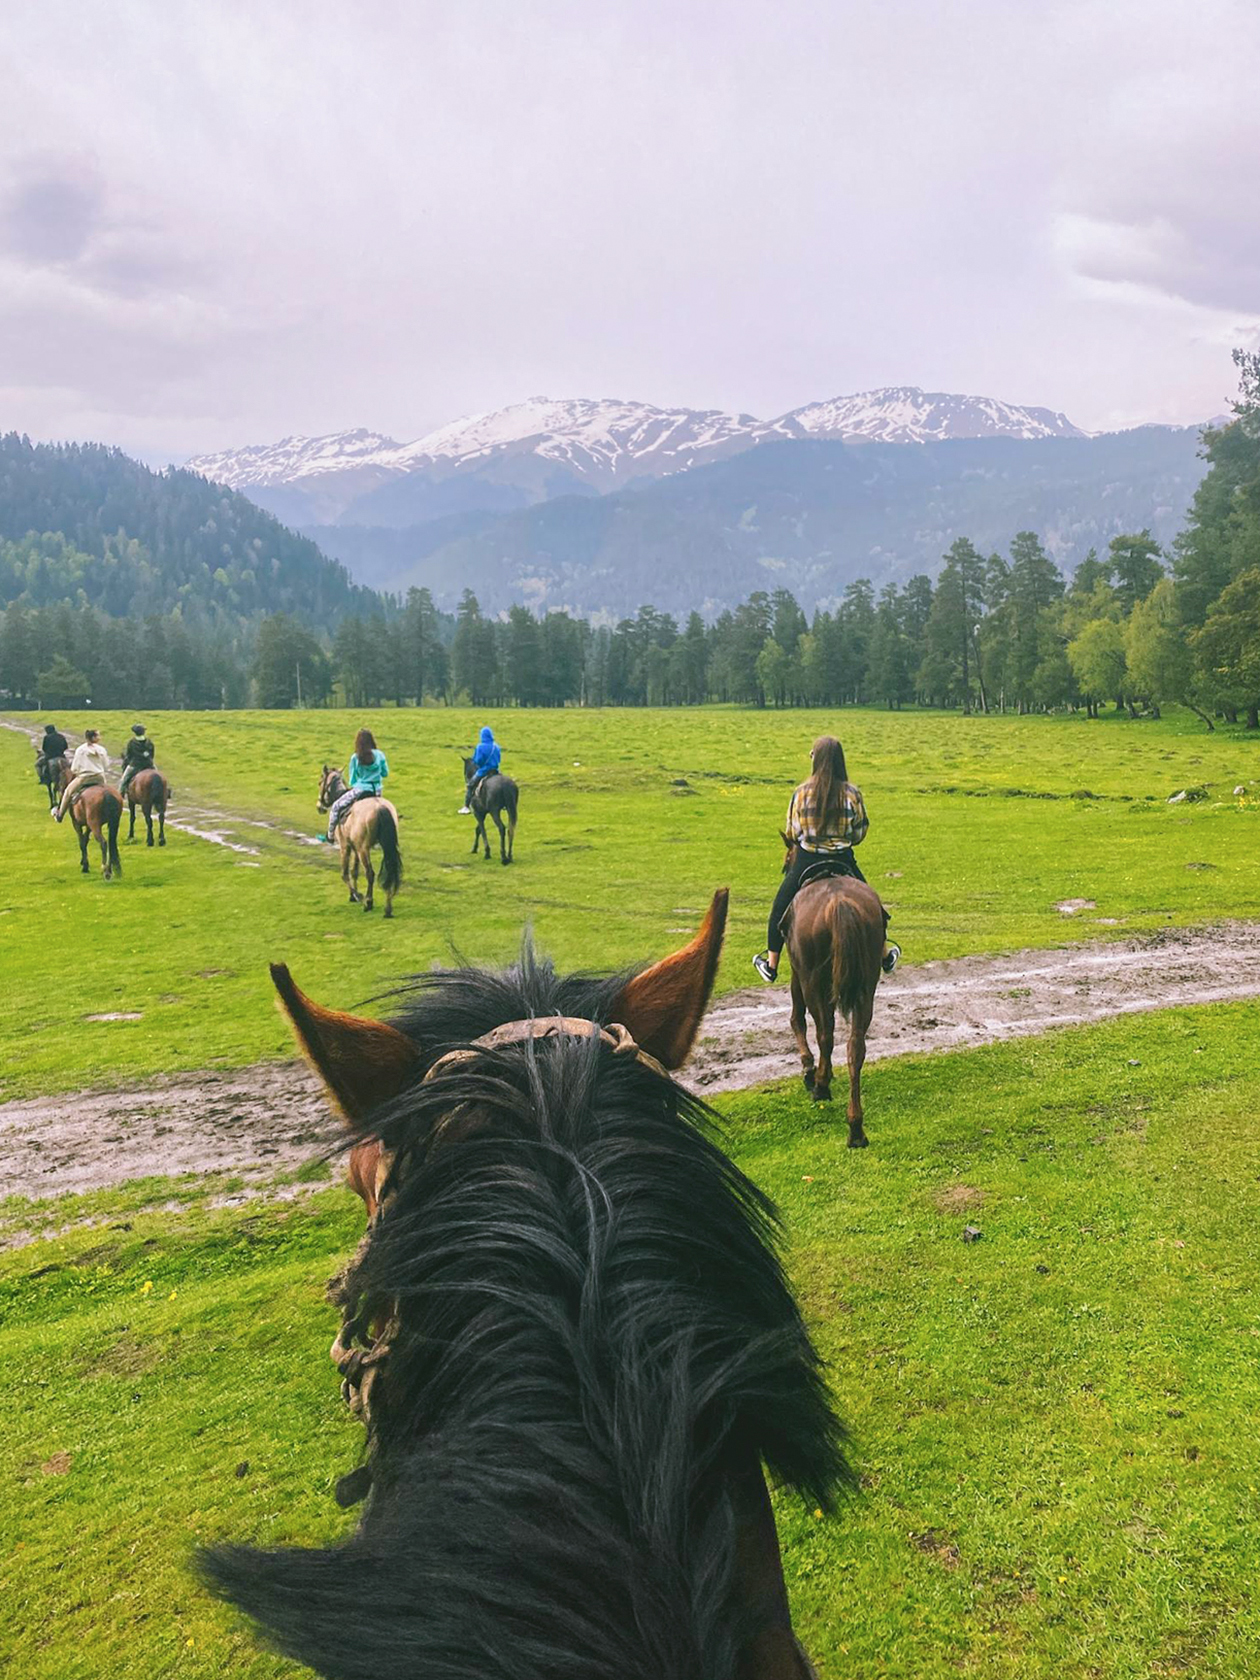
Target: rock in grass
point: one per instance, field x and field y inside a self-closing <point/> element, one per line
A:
<point x="1188" y="795"/>
<point x="972" y="1233"/>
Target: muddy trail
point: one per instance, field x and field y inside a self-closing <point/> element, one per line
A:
<point x="256" y="1122"/>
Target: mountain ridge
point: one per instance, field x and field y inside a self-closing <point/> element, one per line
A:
<point x="536" y="450"/>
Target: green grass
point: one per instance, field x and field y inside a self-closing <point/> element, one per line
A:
<point x="974" y="839"/>
<point x="1055" y="1426"/>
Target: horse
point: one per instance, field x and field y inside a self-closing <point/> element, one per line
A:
<point x="96" y="814"/>
<point x="151" y="791"/>
<point x="491" y="796"/>
<point x="369" y="822"/>
<point x="49" y="774"/>
<point x="835" y="930"/>
<point x="569" y="1336"/>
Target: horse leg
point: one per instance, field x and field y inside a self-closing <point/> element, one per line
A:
<point x="800" y="1034"/>
<point x="825" y="1029"/>
<point x="349" y="855"/>
<point x="84" y="865"/>
<point x="858" y="1025"/>
<point x="106" y="871"/>
<point x="366" y="855"/>
<point x="479" y="833"/>
<point x="148" y="822"/>
<point x="162" y="824"/>
<point x="498" y="823"/>
<point x="131" y="832"/>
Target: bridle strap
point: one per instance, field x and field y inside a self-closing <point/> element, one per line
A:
<point x="615" y="1036"/>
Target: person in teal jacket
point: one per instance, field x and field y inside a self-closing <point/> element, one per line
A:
<point x="368" y="768"/>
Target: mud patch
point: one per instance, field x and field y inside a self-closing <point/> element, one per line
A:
<point x="983" y="1000"/>
<point x="260" y="1121"/>
<point x="1071" y="906"/>
<point x="958" y="1198"/>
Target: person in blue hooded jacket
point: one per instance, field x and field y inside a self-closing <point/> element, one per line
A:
<point x="485" y="762"/>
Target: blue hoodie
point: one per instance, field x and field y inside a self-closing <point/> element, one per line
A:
<point x="486" y="757"/>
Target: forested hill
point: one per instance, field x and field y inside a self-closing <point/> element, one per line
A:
<point x="83" y="523"/>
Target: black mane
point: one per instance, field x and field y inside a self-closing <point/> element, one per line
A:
<point x="591" y="1320"/>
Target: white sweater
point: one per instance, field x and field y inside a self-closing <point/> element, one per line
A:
<point x="90" y="758"/>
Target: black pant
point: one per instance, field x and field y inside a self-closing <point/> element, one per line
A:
<point x="839" y="863"/>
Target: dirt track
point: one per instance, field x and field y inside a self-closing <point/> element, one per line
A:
<point x="260" y="1120"/>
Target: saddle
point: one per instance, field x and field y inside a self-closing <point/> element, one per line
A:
<point x="837" y="863"/>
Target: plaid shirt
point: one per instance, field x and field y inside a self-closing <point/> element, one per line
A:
<point x="804" y="823"/>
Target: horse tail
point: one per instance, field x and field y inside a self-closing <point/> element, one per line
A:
<point x="512" y="793"/>
<point x="115" y="811"/>
<point x="391" y="860"/>
<point x="857" y="945"/>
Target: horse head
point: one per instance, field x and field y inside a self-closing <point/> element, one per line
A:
<point x="331" y="786"/>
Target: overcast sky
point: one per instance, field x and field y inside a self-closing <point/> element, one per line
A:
<point x="222" y="223"/>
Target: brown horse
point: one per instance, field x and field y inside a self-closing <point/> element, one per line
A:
<point x="369" y="822"/>
<point x="835" y="941"/>
<point x="96" y="814"/>
<point x="151" y="791"/>
<point x="570" y="1340"/>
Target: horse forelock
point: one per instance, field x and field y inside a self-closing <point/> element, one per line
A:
<point x="588" y="1312"/>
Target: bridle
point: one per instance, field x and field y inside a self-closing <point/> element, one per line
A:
<point x="360" y="1365"/>
<point x="329" y="780"/>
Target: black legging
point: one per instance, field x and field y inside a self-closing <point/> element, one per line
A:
<point x="841" y="863"/>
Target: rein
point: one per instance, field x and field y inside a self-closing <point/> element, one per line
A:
<point x="360" y="1366"/>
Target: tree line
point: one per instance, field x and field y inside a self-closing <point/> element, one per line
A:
<point x="1135" y="627"/>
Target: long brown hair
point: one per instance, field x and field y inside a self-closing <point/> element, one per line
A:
<point x="364" y="747"/>
<point x="829" y="778"/>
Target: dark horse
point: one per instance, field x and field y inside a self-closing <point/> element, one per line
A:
<point x="96" y="814"/>
<point x="571" y="1340"/>
<point x="150" y="790"/>
<point x="835" y="941"/>
<point x="492" y="796"/>
<point x="51" y="773"/>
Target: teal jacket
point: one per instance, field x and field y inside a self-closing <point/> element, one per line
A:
<point x="368" y="775"/>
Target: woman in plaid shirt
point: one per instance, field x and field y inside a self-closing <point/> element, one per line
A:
<point x="826" y="819"/>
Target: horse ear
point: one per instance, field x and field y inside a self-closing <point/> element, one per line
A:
<point x="663" y="1006"/>
<point x="362" y="1062"/>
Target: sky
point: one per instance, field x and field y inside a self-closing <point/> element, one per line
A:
<point x="226" y="223"/>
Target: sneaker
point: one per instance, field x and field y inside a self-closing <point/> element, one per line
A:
<point x="891" y="957"/>
<point x="323" y="840"/>
<point x="55" y="814"/>
<point x="762" y="964"/>
<point x="464" y="811"/>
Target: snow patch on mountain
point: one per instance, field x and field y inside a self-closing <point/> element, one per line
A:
<point x="907" y="414"/>
<point x="295" y="458"/>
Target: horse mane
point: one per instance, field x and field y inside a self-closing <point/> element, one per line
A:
<point x="590" y="1319"/>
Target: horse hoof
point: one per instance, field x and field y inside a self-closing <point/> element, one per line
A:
<point x="858" y="1140"/>
<point x="148" y="842"/>
<point x="162" y="841"/>
<point x="821" y="1093"/>
<point x="807" y="1079"/>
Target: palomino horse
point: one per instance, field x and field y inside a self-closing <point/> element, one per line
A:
<point x="150" y="790"/>
<point x="492" y="796"/>
<point x="369" y="822"/>
<point x="96" y="814"/>
<point x="835" y="941"/>
<point x="570" y="1338"/>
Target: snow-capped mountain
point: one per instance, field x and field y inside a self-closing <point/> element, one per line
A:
<point x="533" y="451"/>
<point x="295" y="458"/>
<point x="905" y="414"/>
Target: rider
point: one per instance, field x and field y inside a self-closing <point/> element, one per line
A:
<point x="826" y="819"/>
<point x="366" y="771"/>
<point x="137" y="756"/>
<point x="53" y="745"/>
<point x="485" y="763"/>
<point x="87" y="769"/>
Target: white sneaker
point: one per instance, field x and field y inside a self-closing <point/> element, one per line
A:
<point x="464" y="811"/>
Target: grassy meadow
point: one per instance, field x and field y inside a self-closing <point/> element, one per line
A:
<point x="1055" y="1425"/>
<point x="629" y="819"/>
